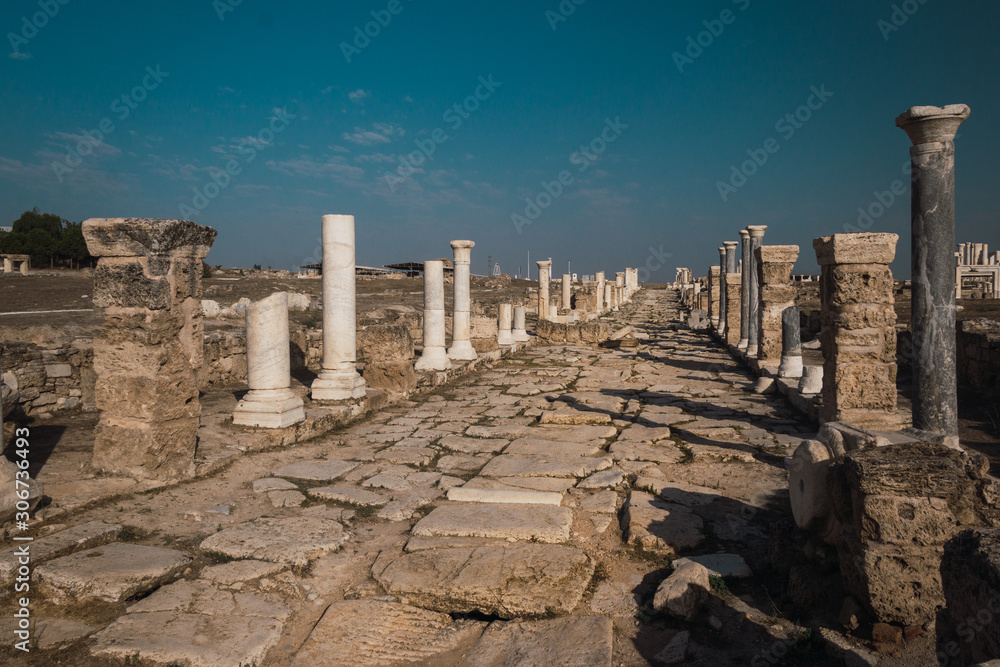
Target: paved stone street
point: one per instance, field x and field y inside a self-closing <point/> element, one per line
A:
<point x="524" y="515"/>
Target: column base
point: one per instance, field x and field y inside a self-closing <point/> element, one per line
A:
<point x="505" y="338"/>
<point x="521" y="335"/>
<point x="790" y="367"/>
<point x="462" y="350"/>
<point x="337" y="386"/>
<point x="433" y="359"/>
<point x="743" y="344"/>
<point x="269" y="408"/>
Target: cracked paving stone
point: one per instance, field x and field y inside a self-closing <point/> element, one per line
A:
<point x="543" y="523"/>
<point x="293" y="540"/>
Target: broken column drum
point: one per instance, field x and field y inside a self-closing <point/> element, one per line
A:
<point x="932" y="156"/>
<point x="338" y="380"/>
<point x="461" y="326"/>
<point x="791" y="344"/>
<point x="519" y="331"/>
<point x="744" y="290"/>
<point x="544" y="277"/>
<point x="434" y="356"/>
<point x="567" y="291"/>
<point x="270" y="403"/>
<point x="147" y="286"/>
<point x="505" y="322"/>
<point x="753" y="310"/>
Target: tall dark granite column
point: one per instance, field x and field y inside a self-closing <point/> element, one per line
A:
<point x="753" y="339"/>
<point x="745" y="290"/>
<point x="791" y="344"/>
<point x="935" y="393"/>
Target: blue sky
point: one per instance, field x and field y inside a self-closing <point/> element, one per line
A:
<point x="595" y="96"/>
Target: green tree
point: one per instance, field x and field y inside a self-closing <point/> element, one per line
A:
<point x="72" y="246"/>
<point x="35" y="219"/>
<point x="41" y="246"/>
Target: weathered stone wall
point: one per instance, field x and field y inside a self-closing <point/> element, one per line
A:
<point x="979" y="353"/>
<point x="50" y="378"/>
<point x="978" y="358"/>
<point x="587" y="332"/>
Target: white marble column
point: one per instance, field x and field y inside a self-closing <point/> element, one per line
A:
<point x="608" y="296"/>
<point x="619" y="288"/>
<point x="520" y="333"/>
<point x="599" y="277"/>
<point x="8" y="266"/>
<point x="339" y="380"/>
<point x="461" y="331"/>
<point x="434" y="356"/>
<point x="544" y="277"/>
<point x="505" y="322"/>
<point x="270" y="403"/>
<point x="567" y="291"/>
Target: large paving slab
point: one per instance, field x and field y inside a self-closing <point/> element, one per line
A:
<point x="192" y="640"/>
<point x="660" y="452"/>
<point x="518" y="465"/>
<point x="543" y="523"/>
<point x="319" y="470"/>
<point x="466" y="445"/>
<point x="571" y="641"/>
<point x="540" y="447"/>
<point x="293" y="540"/>
<point x="506" y="580"/>
<point x="201" y="597"/>
<point x="111" y="573"/>
<point x="659" y="526"/>
<point x="372" y="632"/>
<point x="84" y="536"/>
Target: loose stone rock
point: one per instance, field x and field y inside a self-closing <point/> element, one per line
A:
<point x="272" y="484"/>
<point x="684" y="592"/>
<point x="660" y="526"/>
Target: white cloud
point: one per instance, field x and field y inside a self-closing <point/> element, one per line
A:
<point x="380" y="133"/>
<point x="335" y="168"/>
<point x="358" y="95"/>
<point x="375" y="157"/>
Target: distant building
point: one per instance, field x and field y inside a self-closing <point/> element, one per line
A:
<point x="6" y="229"/>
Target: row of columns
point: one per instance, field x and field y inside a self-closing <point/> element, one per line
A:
<point x="609" y="295"/>
<point x="752" y="307"/>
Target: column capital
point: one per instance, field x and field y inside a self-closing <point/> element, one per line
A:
<point x="744" y="234"/>
<point x="142" y="237"/>
<point x="927" y="125"/>
<point x="730" y="244"/>
<point x="856" y="248"/>
<point x="756" y="231"/>
<point x="544" y="264"/>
